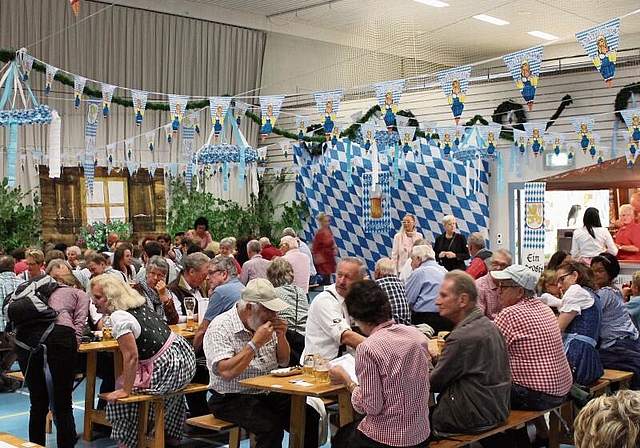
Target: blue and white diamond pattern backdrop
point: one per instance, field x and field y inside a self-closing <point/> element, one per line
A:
<point x="533" y="240"/>
<point x="429" y="190"/>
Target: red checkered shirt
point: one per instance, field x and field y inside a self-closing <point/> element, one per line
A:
<point x="536" y="353"/>
<point x="488" y="297"/>
<point x="392" y="366"/>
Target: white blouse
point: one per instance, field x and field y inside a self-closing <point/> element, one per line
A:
<point x="583" y="245"/>
<point x="576" y="298"/>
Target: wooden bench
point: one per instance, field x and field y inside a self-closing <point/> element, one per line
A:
<point x="215" y="424"/>
<point x="517" y="419"/>
<point x="619" y="377"/>
<point x="146" y="400"/>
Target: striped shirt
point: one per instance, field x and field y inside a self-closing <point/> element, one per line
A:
<point x="534" y="342"/>
<point x="393" y="391"/>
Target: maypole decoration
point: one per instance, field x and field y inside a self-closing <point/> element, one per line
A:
<point x="107" y="96"/>
<point x="218" y="107"/>
<point x="139" y="98"/>
<point x="388" y="95"/>
<point x="328" y="104"/>
<point x="269" y="111"/>
<point x="535" y="135"/>
<point x="455" y="83"/>
<point x="584" y="129"/>
<point x="524" y="66"/>
<point x="177" y="106"/>
<point x="601" y="44"/>
<point x="12" y="115"/>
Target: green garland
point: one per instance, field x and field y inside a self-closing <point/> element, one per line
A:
<point x="623" y="97"/>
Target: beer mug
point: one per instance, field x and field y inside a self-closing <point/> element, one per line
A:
<point x="321" y="370"/>
<point x="308" y="365"/>
<point x="190" y="307"/>
<point x="107" y="328"/>
<point x="376" y="203"/>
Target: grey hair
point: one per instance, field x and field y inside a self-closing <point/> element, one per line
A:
<point x="362" y="267"/>
<point x="225" y="263"/>
<point x="447" y="219"/>
<point x="288" y="231"/>
<point x="386" y="266"/>
<point x="157" y="262"/>
<point x="254" y="246"/>
<point x="75" y="249"/>
<point x="56" y="263"/>
<point x="290" y="241"/>
<point x="242" y="304"/>
<point x="504" y="252"/>
<point x="462" y="283"/>
<point x="264" y="241"/>
<point x="279" y="272"/>
<point x="422" y="242"/>
<point x="195" y="261"/>
<point x="424" y="252"/>
<point x="476" y="239"/>
<point x="624" y="207"/>
<point x="228" y="242"/>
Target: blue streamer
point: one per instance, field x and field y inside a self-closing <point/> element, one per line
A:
<point x="349" y="177"/>
<point x="12" y="153"/>
<point x="8" y="86"/>
<point x="242" y="167"/>
<point x="225" y="176"/>
<point x="614" y="139"/>
<point x="500" y="175"/>
<point x="395" y="166"/>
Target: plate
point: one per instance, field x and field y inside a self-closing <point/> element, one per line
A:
<point x="287" y="371"/>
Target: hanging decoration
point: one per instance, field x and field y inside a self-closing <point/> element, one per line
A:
<point x="269" y="111"/>
<point x="188" y="136"/>
<point x="455" y="83"/>
<point x="631" y="118"/>
<point x="388" y="95"/>
<point x="328" y="104"/>
<point x="594" y="142"/>
<point x="555" y="142"/>
<point x="107" y="96"/>
<point x="535" y="135"/>
<point x="78" y="87"/>
<point x="583" y="127"/>
<point x="50" y="74"/>
<point x="90" y="132"/>
<point x="524" y="67"/>
<point x="75" y="7"/>
<point x="368" y="131"/>
<point x="490" y="135"/>
<point x="111" y="149"/>
<point x="520" y="141"/>
<point x="177" y="106"/>
<point x="447" y="134"/>
<point x="429" y="129"/>
<point x="376" y="194"/>
<point x="150" y="138"/>
<point x="601" y="44"/>
<point x="218" y="107"/>
<point x="26" y="63"/>
<point x="128" y="149"/>
<point x="139" y="98"/>
<point x="239" y="110"/>
<point x="168" y="133"/>
<point x="301" y="125"/>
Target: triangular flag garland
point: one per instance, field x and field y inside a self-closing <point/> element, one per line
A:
<point x="583" y="127"/>
<point x="78" y="87"/>
<point x="150" y="138"/>
<point x="555" y="142"/>
<point x="302" y="123"/>
<point x="239" y="110"/>
<point x="455" y="83"/>
<point x="601" y="45"/>
<point x="524" y="67"/>
<point x="218" y="107"/>
<point x="139" y="98"/>
<point x="50" y="75"/>
<point x="328" y="105"/>
<point x="177" y="106"/>
<point x="535" y="135"/>
<point x="26" y="64"/>
<point x="631" y="118"/>
<point x="107" y="96"/>
<point x="388" y="95"/>
<point x="270" y="111"/>
<point x="75" y="7"/>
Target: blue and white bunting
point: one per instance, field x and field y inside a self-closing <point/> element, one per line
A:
<point x="601" y="44"/>
<point x="524" y="67"/>
<point x="388" y="95"/>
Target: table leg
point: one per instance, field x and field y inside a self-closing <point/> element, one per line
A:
<point x="346" y="409"/>
<point x="90" y="395"/>
<point x="298" y="421"/>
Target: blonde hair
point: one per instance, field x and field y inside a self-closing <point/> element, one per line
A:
<point x="119" y="295"/>
<point x="321" y="216"/>
<point x="628" y="207"/>
<point x="547" y="276"/>
<point x="415" y="222"/>
<point x="610" y="422"/>
<point x="635" y="279"/>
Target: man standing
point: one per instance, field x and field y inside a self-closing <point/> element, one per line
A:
<point x="329" y="330"/>
<point x="488" y="297"/>
<point x="472" y="373"/>
<point x="386" y="278"/>
<point x="541" y="374"/>
<point x="304" y="248"/>
<point x="299" y="261"/>
<point x="247" y="341"/>
<point x="391" y="363"/>
<point x="422" y="288"/>
<point x="479" y="266"/>
<point x="256" y="266"/>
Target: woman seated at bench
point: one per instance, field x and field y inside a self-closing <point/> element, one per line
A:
<point x="155" y="360"/>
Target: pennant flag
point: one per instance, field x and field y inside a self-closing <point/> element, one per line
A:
<point x="239" y="111"/>
<point x="107" y="96"/>
<point x="150" y="138"/>
<point x="520" y="140"/>
<point x="128" y="148"/>
<point x="177" y="106"/>
<point x="48" y="83"/>
<point x="26" y="64"/>
<point x="78" y="87"/>
<point x="195" y="119"/>
<point x="583" y="127"/>
<point x="75" y="7"/>
<point x="601" y="44"/>
<point x="301" y="125"/>
<point x="429" y="129"/>
<point x="93" y="111"/>
<point x="139" y="98"/>
<point x="406" y="137"/>
<point x="633" y="146"/>
<point x="524" y="67"/>
<point x="270" y="111"/>
<point x="632" y="120"/>
<point x="535" y="135"/>
<point x="490" y="134"/>
<point x="555" y="142"/>
<point x="152" y="169"/>
<point x="594" y="143"/>
<point x="328" y="104"/>
<point x="455" y="83"/>
<point x="218" y="107"/>
<point x="388" y="95"/>
<point x="169" y="133"/>
<point x="262" y="155"/>
<point x="111" y="149"/>
<point x="368" y="131"/>
<point x="188" y="135"/>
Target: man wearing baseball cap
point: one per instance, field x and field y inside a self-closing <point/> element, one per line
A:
<point x="247" y="341"/>
<point x="541" y="377"/>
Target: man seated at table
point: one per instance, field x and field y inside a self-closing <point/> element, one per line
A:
<point x="540" y="372"/>
<point x="247" y="341"/>
<point x="472" y="373"/>
<point x="386" y="278"/>
<point x="479" y="265"/>
<point x="393" y="376"/>
<point x="328" y="331"/>
<point x="488" y="297"/>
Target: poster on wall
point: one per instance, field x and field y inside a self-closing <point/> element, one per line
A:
<point x="533" y="242"/>
<point x="375" y="203"/>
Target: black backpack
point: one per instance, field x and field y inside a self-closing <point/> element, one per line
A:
<point x="29" y="303"/>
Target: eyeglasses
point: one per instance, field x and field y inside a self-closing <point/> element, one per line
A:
<point x="501" y="286"/>
<point x="213" y="272"/>
<point x="562" y="277"/>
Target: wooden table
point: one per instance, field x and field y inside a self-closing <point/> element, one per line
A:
<point x="299" y="396"/>
<point x="17" y="441"/>
<point x="91" y="414"/>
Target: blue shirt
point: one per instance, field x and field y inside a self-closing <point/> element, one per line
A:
<point x="616" y="322"/>
<point x="223" y="298"/>
<point x="423" y="286"/>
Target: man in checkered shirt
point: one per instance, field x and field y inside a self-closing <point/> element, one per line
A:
<point x="541" y="376"/>
<point x="386" y="278"/>
<point x="247" y="341"/>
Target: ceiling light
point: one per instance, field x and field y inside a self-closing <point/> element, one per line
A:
<point x="490" y="19"/>
<point x="541" y="35"/>
<point x="434" y="3"/>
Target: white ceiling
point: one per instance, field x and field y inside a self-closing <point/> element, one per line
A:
<point x="447" y="36"/>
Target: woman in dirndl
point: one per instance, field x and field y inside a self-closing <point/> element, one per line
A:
<point x="155" y="360"/>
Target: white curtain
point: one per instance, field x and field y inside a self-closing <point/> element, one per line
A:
<point x="130" y="48"/>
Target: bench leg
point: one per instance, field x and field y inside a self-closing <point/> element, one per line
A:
<point x="234" y="437"/>
<point x="143" y="423"/>
<point x="158" y="432"/>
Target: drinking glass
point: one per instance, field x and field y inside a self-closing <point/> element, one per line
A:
<point x="308" y="365"/>
<point x="190" y="307"/>
<point x="321" y="370"/>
